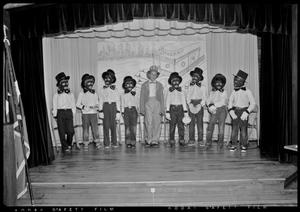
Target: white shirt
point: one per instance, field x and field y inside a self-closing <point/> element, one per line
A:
<point x="175" y="98"/>
<point x="241" y="98"/>
<point x="196" y="92"/>
<point x="152" y="88"/>
<point x="129" y="100"/>
<point x="87" y="100"/>
<point x="63" y="101"/>
<point x="109" y="95"/>
<point x="217" y="98"/>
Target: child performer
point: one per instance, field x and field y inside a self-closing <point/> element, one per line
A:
<point x="196" y="98"/>
<point x="64" y="110"/>
<point x="217" y="107"/>
<point x="129" y="103"/>
<point x="241" y="103"/>
<point x="88" y="103"/>
<point x="176" y="108"/>
<point x="109" y="104"/>
<point x="152" y="106"/>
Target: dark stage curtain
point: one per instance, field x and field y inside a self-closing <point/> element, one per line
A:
<point x="271" y="22"/>
<point x="28" y="63"/>
<point x="276" y="95"/>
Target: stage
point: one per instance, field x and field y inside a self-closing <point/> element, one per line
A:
<point x="164" y="176"/>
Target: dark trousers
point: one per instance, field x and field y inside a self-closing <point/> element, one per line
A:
<point x="109" y="123"/>
<point x="239" y="125"/>
<point x="219" y="116"/>
<point x="130" y="122"/>
<point x="65" y="127"/>
<point x="87" y="121"/>
<point x="176" y="115"/>
<point x="196" y="119"/>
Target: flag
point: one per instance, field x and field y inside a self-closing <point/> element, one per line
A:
<point x="14" y="114"/>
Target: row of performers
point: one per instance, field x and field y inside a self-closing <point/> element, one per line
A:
<point x="178" y="108"/>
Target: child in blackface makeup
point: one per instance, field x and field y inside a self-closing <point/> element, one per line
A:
<point x="129" y="107"/>
<point x="241" y="104"/>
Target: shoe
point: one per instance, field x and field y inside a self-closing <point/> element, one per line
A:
<point x="115" y="146"/>
<point x="85" y="147"/>
<point x="128" y="146"/>
<point x="181" y="143"/>
<point x="191" y="143"/>
<point x="98" y="146"/>
<point x="201" y="143"/>
<point x="133" y="146"/>
<point x="207" y="145"/>
<point x="232" y="149"/>
<point x="243" y="149"/>
<point x="107" y="147"/>
<point x="154" y="144"/>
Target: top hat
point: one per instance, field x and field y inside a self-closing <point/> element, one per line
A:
<point x="174" y="75"/>
<point x="242" y="75"/>
<point x="111" y="74"/>
<point x="153" y="68"/>
<point x="60" y="77"/>
<point x="197" y="71"/>
<point x="218" y="77"/>
<point x="128" y="79"/>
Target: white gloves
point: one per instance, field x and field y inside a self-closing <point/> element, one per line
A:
<point x="244" y="116"/>
<point x="186" y="119"/>
<point x="232" y="114"/>
<point x="101" y="115"/>
<point x="202" y="103"/>
<point x="212" y="109"/>
<point x="168" y="116"/>
<point x="118" y="116"/>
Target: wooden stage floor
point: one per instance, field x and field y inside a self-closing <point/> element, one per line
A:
<point x="164" y="176"/>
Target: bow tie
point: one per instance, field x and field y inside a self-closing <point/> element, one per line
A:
<point x="111" y="86"/>
<point x="132" y="92"/>
<point x="195" y="83"/>
<point x="90" y="90"/>
<point x="59" y="91"/>
<point x="243" y="88"/>
<point x="221" y="90"/>
<point x="171" y="89"/>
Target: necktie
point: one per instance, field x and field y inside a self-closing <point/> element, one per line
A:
<point x="171" y="89"/>
<point x="243" y="88"/>
<point x="111" y="86"/>
<point x="132" y="92"/>
<point x="59" y="91"/>
<point x="90" y="90"/>
<point x="221" y="90"/>
<point x="195" y="83"/>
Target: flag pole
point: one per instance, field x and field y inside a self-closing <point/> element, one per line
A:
<point x="28" y="177"/>
<point x="6" y="41"/>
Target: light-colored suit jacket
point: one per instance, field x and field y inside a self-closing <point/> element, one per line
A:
<point x="144" y="96"/>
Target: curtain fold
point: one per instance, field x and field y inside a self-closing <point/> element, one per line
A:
<point x="31" y="83"/>
<point x="28" y="26"/>
<point x="275" y="95"/>
<point x="63" y="18"/>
